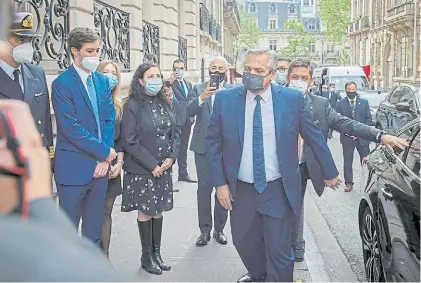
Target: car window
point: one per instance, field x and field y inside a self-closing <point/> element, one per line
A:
<point x="413" y="155"/>
<point x="414" y="105"/>
<point x="396" y="95"/>
<point x="407" y="135"/>
<point x="407" y="95"/>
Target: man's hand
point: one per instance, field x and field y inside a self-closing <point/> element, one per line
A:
<point x="207" y="92"/>
<point x="224" y="196"/>
<point x="390" y="141"/>
<point x="101" y="169"/>
<point x="157" y="172"/>
<point x="173" y="77"/>
<point x="111" y="156"/>
<point x="167" y="164"/>
<point x="334" y="183"/>
<point x="116" y="170"/>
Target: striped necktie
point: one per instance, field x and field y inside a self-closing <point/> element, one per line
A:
<point x="259" y="170"/>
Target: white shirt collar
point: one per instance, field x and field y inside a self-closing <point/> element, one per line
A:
<point x="266" y="95"/>
<point x="351" y="100"/>
<point x="82" y="74"/>
<point x="9" y="69"/>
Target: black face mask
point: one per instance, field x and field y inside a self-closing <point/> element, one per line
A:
<point x="222" y="76"/>
<point x="351" y="94"/>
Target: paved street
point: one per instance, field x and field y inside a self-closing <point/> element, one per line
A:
<point x="333" y="248"/>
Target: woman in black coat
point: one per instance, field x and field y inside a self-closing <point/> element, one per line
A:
<point x="150" y="135"/>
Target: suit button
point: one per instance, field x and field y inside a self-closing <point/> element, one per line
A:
<point x="39" y="122"/>
<point x="42" y="135"/>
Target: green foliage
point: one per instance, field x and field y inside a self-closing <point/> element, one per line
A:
<point x="298" y="40"/>
<point x="249" y="35"/>
<point x="336" y="18"/>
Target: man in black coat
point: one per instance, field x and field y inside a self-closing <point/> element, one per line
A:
<point x="333" y="96"/>
<point x="21" y="80"/>
<point x="325" y="117"/>
<point x="182" y="90"/>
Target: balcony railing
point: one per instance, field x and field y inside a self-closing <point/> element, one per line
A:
<point x="404" y="9"/>
<point x="229" y="59"/>
<point x="182" y="50"/>
<point x="51" y="17"/>
<point x="112" y="25"/>
<point x="151" y="50"/>
<point x="208" y="24"/>
<point x="364" y="22"/>
<point x="233" y="5"/>
<point x="331" y="54"/>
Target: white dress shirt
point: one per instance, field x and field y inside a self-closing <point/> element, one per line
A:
<point x="9" y="71"/>
<point x="83" y="76"/>
<point x="273" y="172"/>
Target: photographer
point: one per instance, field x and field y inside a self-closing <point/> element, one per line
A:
<point x="45" y="247"/>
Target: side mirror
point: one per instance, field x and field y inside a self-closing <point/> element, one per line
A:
<point x="403" y="106"/>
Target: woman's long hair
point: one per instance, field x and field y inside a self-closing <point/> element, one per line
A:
<point x="136" y="89"/>
<point x="118" y="104"/>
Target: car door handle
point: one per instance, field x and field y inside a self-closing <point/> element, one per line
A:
<point x="386" y="193"/>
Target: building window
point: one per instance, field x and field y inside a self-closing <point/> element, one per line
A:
<point x="292" y="9"/>
<point x="273" y="9"/>
<point x="312" y="47"/>
<point x="252" y="8"/>
<point x="306" y="2"/>
<point x="273" y="24"/>
<point x="312" y="24"/>
<point x="272" y="45"/>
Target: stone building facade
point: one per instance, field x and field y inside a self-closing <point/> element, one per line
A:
<point x="386" y="36"/>
<point x="271" y="16"/>
<point x="134" y="31"/>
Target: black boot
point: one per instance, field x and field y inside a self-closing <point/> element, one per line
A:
<point x="147" y="259"/>
<point x="156" y="240"/>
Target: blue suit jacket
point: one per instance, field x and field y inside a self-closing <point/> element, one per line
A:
<point x="362" y="114"/>
<point x="224" y="142"/>
<point x="78" y="148"/>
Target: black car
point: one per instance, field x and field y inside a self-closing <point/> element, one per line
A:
<point x="401" y="106"/>
<point x="389" y="211"/>
<point x="374" y="98"/>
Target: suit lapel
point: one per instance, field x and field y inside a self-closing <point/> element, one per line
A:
<point x="309" y="104"/>
<point x="240" y="107"/>
<point x="98" y="91"/>
<point x="29" y="82"/>
<point x="348" y="104"/>
<point x="278" y="109"/>
<point x="179" y="93"/>
<point x="82" y="88"/>
<point x="209" y="103"/>
<point x="8" y="87"/>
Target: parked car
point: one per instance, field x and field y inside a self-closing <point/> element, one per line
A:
<point x="389" y="211"/>
<point x="374" y="98"/>
<point x="401" y="106"/>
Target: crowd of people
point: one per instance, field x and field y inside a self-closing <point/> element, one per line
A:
<point x="256" y="143"/>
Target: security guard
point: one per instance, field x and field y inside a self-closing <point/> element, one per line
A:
<point x="21" y="80"/>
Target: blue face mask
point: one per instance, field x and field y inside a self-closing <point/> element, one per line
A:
<point x="112" y="79"/>
<point x="153" y="86"/>
<point x="253" y="83"/>
<point x="280" y="77"/>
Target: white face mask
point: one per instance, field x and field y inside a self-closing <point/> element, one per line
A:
<point x="23" y="53"/>
<point x="299" y="85"/>
<point x="90" y="63"/>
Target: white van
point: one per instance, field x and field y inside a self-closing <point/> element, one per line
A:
<point x="340" y="75"/>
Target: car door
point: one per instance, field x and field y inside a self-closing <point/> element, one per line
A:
<point x="398" y="211"/>
<point x="387" y="108"/>
<point x="402" y="118"/>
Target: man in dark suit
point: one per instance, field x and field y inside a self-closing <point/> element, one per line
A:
<point x="252" y="148"/>
<point x="200" y="106"/>
<point x="182" y="90"/>
<point x="358" y="109"/>
<point x="333" y="97"/>
<point x="21" y="80"/>
<point x="85" y="134"/>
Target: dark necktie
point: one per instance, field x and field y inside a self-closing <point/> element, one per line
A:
<point x="259" y="171"/>
<point x="16" y="75"/>
<point x="183" y="89"/>
<point x="353" y="109"/>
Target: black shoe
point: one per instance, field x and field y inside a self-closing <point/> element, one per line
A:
<point x="147" y="259"/>
<point x="220" y="237"/>
<point x="203" y="239"/>
<point x="186" y="179"/>
<point x="156" y="242"/>
<point x="245" y="278"/>
<point x="299" y="259"/>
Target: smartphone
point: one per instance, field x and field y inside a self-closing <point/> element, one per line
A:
<point x="214" y="81"/>
<point x="167" y="84"/>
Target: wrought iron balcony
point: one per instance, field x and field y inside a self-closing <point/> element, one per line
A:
<point x="151" y="49"/>
<point x="229" y="59"/>
<point x="232" y="5"/>
<point x="53" y="18"/>
<point x="331" y="54"/>
<point x="218" y="33"/>
<point x="182" y="50"/>
<point x="401" y="11"/>
<point x="205" y="18"/>
<point x="364" y="22"/>
<point x="112" y="25"/>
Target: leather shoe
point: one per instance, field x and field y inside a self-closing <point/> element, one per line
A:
<point x="186" y="179"/>
<point x="299" y="259"/>
<point x="203" y="239"/>
<point x="220" y="237"/>
<point x="245" y="278"/>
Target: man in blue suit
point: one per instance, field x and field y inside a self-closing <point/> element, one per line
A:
<point x="85" y="134"/>
<point x="358" y="109"/>
<point x="252" y="148"/>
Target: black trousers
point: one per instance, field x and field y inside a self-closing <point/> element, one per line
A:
<point x="184" y="144"/>
<point x="348" y="153"/>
